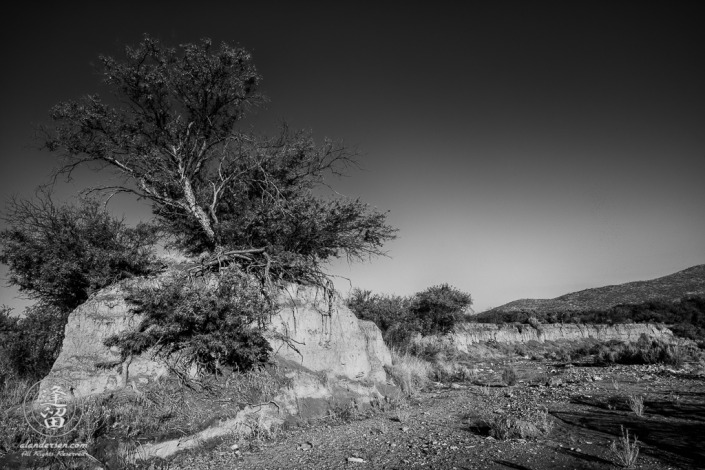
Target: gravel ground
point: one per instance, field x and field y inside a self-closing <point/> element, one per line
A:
<point x="443" y="427"/>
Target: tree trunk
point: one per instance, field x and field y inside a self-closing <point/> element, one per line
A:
<point x="197" y="211"/>
<point x="125" y="370"/>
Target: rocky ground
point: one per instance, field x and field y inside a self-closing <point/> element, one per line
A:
<point x="445" y="426"/>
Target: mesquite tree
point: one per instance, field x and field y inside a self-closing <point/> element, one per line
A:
<point x="170" y="133"/>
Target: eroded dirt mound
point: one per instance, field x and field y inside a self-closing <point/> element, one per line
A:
<point x="319" y="333"/>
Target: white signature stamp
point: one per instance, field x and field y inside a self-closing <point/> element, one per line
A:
<point x="55" y="411"/>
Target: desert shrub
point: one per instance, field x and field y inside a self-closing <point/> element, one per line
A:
<point x="675" y="355"/>
<point x="690" y="331"/>
<point x="646" y="350"/>
<point x="439" y="308"/>
<point x="504" y="349"/>
<point x="401" y="409"/>
<point x="530" y="424"/>
<point x="384" y="310"/>
<point x="500" y="426"/>
<point x="450" y="372"/>
<point x="212" y="325"/>
<point x="564" y="355"/>
<point x="401" y="335"/>
<point x="434" y="311"/>
<point x="389" y="312"/>
<point x="433" y="349"/>
<point x="29" y="345"/>
<point x="617" y="352"/>
<point x="509" y="375"/>
<point x="61" y="254"/>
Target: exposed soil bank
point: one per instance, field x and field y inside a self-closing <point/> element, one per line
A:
<point x="473" y="333"/>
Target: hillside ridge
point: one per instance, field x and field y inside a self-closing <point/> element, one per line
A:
<point x="669" y="288"/>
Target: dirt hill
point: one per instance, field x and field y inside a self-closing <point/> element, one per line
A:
<point x="669" y="288"/>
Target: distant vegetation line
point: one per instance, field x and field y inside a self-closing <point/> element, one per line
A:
<point x="677" y="300"/>
<point x="685" y="317"/>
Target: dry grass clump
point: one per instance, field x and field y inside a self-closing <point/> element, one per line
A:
<point x="400" y="408"/>
<point x="646" y="350"/>
<point x="636" y="403"/>
<point x="509" y="375"/>
<point x="113" y="424"/>
<point x="500" y="426"/>
<point x="452" y="372"/>
<point x="542" y="420"/>
<point x="624" y="451"/>
<point x="443" y="357"/>
<point x="346" y="412"/>
<point x="531" y="426"/>
<point x="13" y="427"/>
<point x="257" y="431"/>
<point x="530" y="423"/>
<point x="433" y="349"/>
<point x="402" y="413"/>
<point x="410" y="372"/>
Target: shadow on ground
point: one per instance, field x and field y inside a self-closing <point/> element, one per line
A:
<point x="676" y="440"/>
<point x="668" y="409"/>
<point x="513" y="465"/>
<point x="581" y="456"/>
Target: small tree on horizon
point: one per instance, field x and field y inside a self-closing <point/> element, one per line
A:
<point x="435" y="310"/>
<point x="439" y="308"/>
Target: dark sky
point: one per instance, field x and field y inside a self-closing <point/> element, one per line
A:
<point x="523" y="149"/>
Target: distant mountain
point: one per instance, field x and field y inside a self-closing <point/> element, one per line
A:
<point x="669" y="288"/>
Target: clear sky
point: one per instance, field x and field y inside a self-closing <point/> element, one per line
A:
<point x="523" y="149"/>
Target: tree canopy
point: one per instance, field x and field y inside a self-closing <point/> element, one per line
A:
<point x="435" y="310"/>
<point x="170" y="134"/>
<point x="439" y="308"/>
<point x="60" y="254"/>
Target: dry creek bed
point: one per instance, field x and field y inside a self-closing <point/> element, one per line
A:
<point x="442" y="429"/>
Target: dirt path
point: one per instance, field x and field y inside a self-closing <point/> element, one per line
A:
<point x="442" y="429"/>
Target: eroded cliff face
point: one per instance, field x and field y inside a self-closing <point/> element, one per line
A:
<point x="84" y="359"/>
<point x="311" y="336"/>
<point x="473" y="333"/>
<point x="326" y="337"/>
